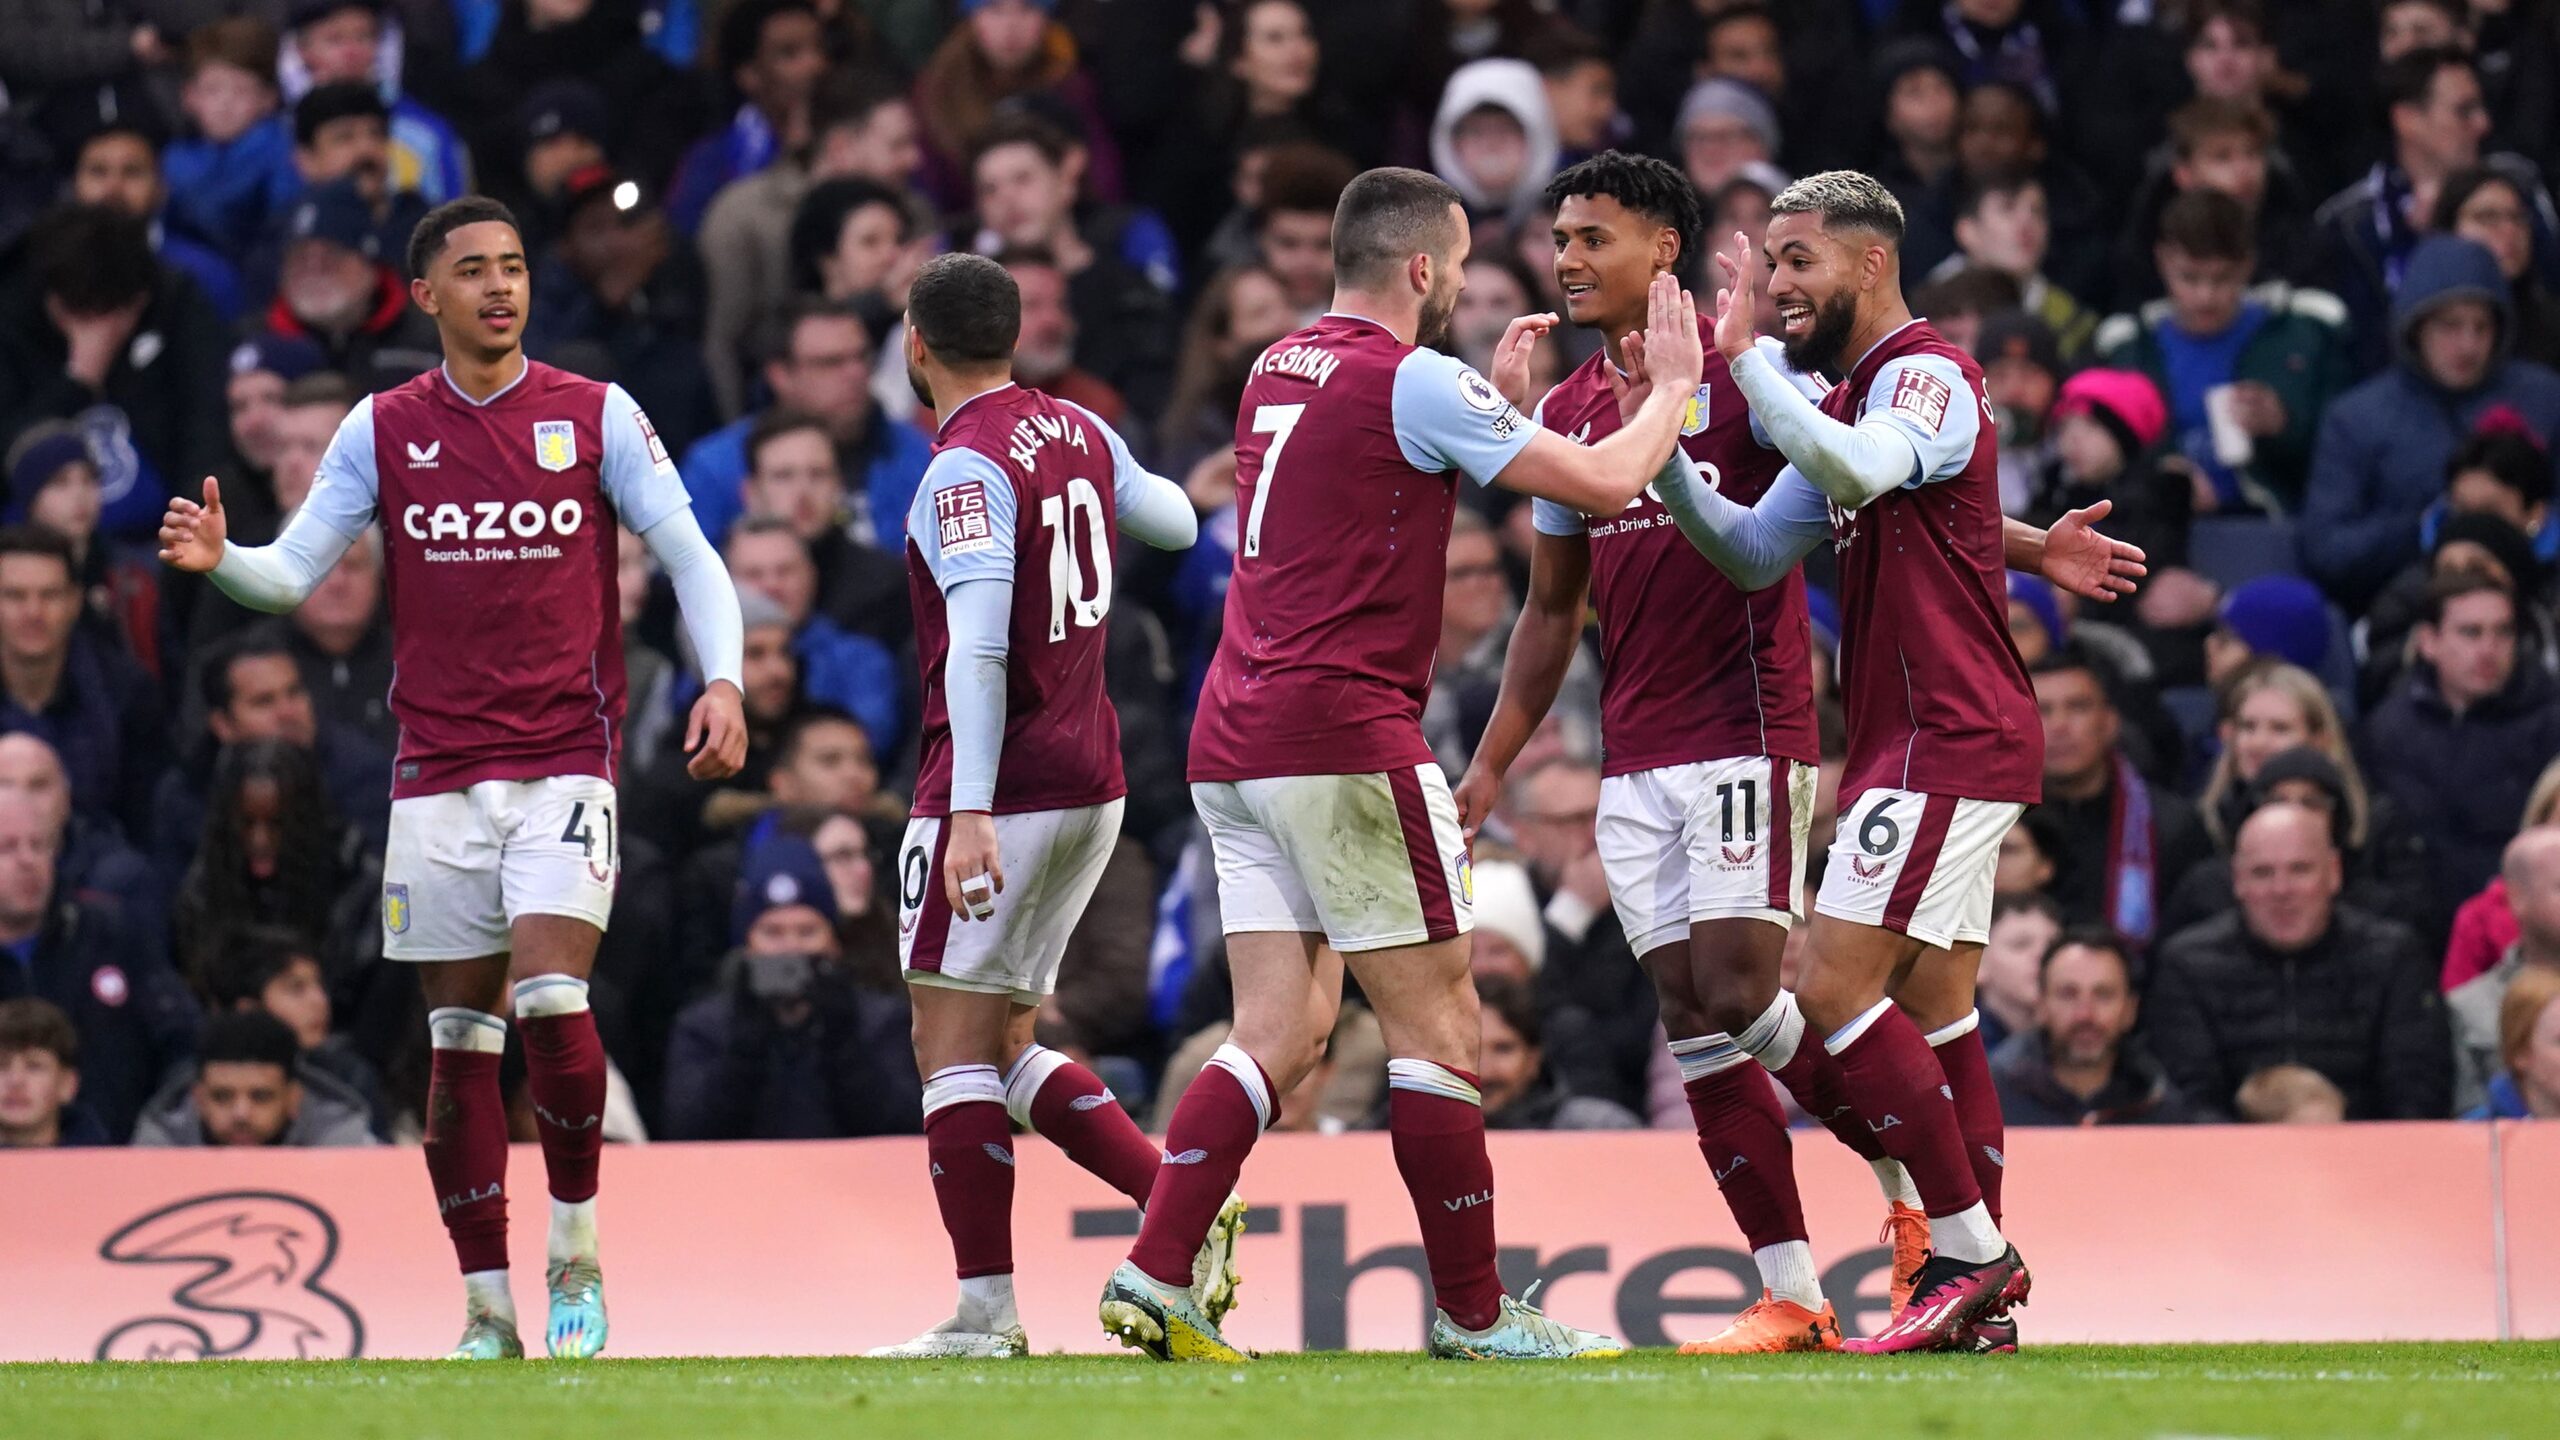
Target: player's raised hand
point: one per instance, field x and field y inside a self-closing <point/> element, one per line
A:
<point x="1511" y="355"/>
<point x="1672" y="353"/>
<point x="1737" y="302"/>
<point x="2090" y="565"/>
<point x="191" y="535"/>
<point x="715" y="734"/>
<point x="1479" y="790"/>
<point x="972" y="871"/>
<point x="1631" y="384"/>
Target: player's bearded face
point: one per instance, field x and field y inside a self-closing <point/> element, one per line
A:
<point x="1819" y="346"/>
<point x="1438" y="307"/>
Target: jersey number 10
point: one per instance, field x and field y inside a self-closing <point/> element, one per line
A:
<point x="1067" y="570"/>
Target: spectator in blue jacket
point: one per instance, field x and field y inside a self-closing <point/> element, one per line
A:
<point x="341" y="42"/>
<point x="2380" y="461"/>
<point x="854" y="673"/>
<point x="819" y="361"/>
<point x="225" y="176"/>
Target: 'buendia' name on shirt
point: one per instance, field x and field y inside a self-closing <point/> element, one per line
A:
<point x="1033" y="431"/>
<point x="1307" y="362"/>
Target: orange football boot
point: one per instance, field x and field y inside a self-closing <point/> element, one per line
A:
<point x="1906" y="1229"/>
<point x="1773" y="1326"/>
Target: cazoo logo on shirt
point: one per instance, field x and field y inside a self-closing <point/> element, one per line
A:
<point x="494" y="520"/>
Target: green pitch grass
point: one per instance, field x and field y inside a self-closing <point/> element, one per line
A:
<point x="2473" y="1391"/>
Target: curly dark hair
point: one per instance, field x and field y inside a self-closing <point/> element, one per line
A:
<point x="222" y="892"/>
<point x="1652" y="188"/>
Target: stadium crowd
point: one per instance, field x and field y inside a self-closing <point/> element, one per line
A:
<point x="2279" y="278"/>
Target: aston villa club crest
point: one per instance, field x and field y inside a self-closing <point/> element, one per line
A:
<point x="1693" y="417"/>
<point x="1466" y="877"/>
<point x="555" y="444"/>
<point x="395" y="909"/>
<point x="1865" y="869"/>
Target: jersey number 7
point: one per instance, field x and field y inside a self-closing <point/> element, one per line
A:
<point x="1275" y="421"/>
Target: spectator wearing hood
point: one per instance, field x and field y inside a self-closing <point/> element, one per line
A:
<point x="335" y="290"/>
<point x="2380" y="460"/>
<point x="2492" y="207"/>
<point x="54" y="482"/>
<point x="1494" y="139"/>
<point x="789" y="1046"/>
<point x="2459" y="741"/>
<point x="2275" y="354"/>
<point x="2081" y="1063"/>
<point x="2386" y="862"/>
<point x="2371" y="233"/>
<point x="1724" y="128"/>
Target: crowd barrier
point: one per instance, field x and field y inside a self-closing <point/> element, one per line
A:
<point x="2365" y="1232"/>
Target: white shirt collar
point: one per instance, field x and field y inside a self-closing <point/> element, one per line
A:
<point x="524" y="367"/>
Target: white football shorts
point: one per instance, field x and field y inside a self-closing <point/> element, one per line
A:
<point x="1369" y="861"/>
<point x="1711" y="840"/>
<point x="1052" y="861"/>
<point x="460" y="867"/>
<point x="1917" y="864"/>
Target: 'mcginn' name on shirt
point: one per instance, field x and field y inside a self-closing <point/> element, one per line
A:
<point x="1307" y="362"/>
<point x="526" y="520"/>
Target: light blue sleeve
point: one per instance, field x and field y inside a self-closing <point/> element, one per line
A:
<point x="1546" y="516"/>
<point x="963" y="519"/>
<point x="1448" y="417"/>
<point x="1811" y="387"/>
<point x="638" y="477"/>
<point x="1550" y="518"/>
<point x="1150" y="507"/>
<point x="1927" y="400"/>
<point x="347" y="488"/>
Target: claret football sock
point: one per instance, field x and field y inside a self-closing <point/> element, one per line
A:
<point x="1436" y="1120"/>
<point x="1968" y="1070"/>
<point x="466" y="1139"/>
<point x="968" y="1140"/>
<point x="1809" y="1072"/>
<point x="1068" y="1105"/>
<point x="1214" y="1127"/>
<point x="1894" y="1080"/>
<point x="1742" y="1132"/>
<point x="564" y="1073"/>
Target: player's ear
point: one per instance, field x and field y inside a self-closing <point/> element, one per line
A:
<point x="420" y="292"/>
<point x="1417" y="272"/>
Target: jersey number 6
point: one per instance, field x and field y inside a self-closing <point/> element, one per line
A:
<point x="1067" y="589"/>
